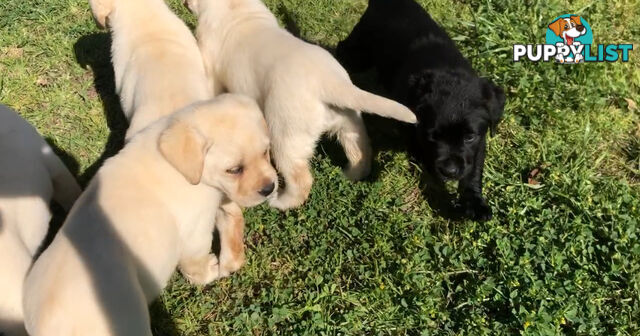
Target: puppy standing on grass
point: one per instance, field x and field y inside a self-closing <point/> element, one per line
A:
<point x="30" y="175"/>
<point x="303" y="90"/>
<point x="147" y="210"/>
<point x="158" y="70"/>
<point x="420" y="66"/>
<point x="157" y="64"/>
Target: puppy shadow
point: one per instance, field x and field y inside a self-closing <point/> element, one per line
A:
<point x="94" y="52"/>
<point x="11" y="325"/>
<point x="289" y="22"/>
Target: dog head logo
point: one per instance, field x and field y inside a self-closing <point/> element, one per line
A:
<point x="569" y="32"/>
<point x="568" y="28"/>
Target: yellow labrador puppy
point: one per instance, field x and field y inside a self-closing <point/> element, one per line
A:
<point x="158" y="70"/>
<point x="149" y="209"/>
<point x="157" y="64"/>
<point x="30" y="175"/>
<point x="303" y="90"/>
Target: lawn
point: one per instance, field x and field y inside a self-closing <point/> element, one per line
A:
<point x="561" y="256"/>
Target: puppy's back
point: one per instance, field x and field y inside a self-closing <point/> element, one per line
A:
<point x="157" y="63"/>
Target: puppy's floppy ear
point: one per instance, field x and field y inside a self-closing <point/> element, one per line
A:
<point x="494" y="99"/>
<point x="556" y="26"/>
<point x="185" y="149"/>
<point x="101" y="10"/>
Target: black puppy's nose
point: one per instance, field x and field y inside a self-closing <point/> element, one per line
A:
<point x="267" y="190"/>
<point x="449" y="170"/>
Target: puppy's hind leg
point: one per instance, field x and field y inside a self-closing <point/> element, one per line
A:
<point x="352" y="135"/>
<point x="295" y="125"/>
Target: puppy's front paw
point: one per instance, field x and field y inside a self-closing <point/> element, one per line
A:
<point x="201" y="271"/>
<point x="476" y="208"/>
<point x="285" y="202"/>
<point x="230" y="266"/>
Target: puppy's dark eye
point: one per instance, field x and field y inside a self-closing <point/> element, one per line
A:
<point x="470" y="138"/>
<point x="236" y="170"/>
<point x="266" y="153"/>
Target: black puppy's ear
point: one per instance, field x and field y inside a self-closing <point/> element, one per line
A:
<point x="420" y="85"/>
<point x="494" y="98"/>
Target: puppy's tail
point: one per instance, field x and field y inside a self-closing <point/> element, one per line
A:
<point x="346" y="95"/>
<point x="65" y="187"/>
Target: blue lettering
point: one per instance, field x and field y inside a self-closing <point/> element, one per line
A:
<point x="600" y="52"/>
<point x="626" y="48"/>
<point x="587" y="54"/>
<point x="612" y="53"/>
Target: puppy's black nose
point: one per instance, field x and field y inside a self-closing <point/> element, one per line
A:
<point x="267" y="190"/>
<point x="449" y="171"/>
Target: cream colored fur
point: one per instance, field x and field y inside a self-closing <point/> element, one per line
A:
<point x="30" y="176"/>
<point x="157" y="64"/>
<point x="303" y="90"/>
<point x="142" y="215"/>
<point x="158" y="70"/>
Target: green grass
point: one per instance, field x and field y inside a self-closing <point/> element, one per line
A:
<point x="374" y="258"/>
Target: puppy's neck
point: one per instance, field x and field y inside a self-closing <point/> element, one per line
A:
<point x="216" y="17"/>
<point x="138" y="12"/>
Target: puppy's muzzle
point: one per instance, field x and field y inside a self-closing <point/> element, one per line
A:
<point x="450" y="169"/>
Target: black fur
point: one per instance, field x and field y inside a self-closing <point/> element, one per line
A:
<point x="421" y="67"/>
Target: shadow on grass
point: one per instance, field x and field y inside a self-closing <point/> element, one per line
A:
<point x="94" y="51"/>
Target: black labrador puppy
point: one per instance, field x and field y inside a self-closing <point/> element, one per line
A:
<point x="420" y="66"/>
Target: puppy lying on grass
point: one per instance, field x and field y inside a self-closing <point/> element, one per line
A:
<point x="303" y="90"/>
<point x="157" y="64"/>
<point x="421" y="67"/>
<point x="30" y="175"/>
<point x="149" y="209"/>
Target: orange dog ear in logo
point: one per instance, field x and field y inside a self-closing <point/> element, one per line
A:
<point x="556" y="26"/>
<point x="575" y="19"/>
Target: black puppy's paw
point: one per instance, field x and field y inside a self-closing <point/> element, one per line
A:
<point x="475" y="208"/>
